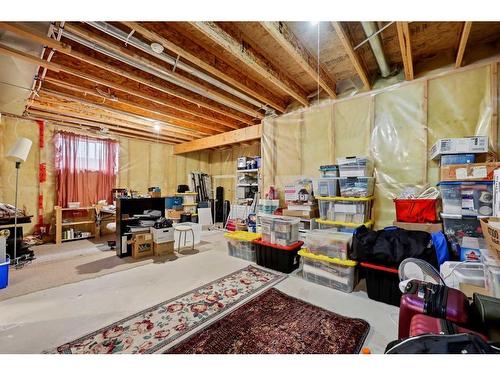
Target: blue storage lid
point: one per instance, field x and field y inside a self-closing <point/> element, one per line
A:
<point x="465" y="183"/>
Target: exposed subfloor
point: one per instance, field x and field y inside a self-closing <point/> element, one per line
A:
<point x="44" y="319"/>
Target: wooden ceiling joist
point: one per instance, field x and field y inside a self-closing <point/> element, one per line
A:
<point x="353" y="56"/>
<point x="211" y="63"/>
<point x="405" y="46"/>
<point x="252" y="59"/>
<point x="97" y="125"/>
<point x="224" y="139"/>
<point x="463" y="43"/>
<point x="67" y="50"/>
<point x="41" y="104"/>
<point x="62" y="100"/>
<point x="109" y="104"/>
<point x="5" y="50"/>
<point x="291" y="44"/>
<point x="224" y="99"/>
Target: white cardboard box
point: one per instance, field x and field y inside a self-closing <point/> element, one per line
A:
<point x="468" y="145"/>
<point x="162" y="235"/>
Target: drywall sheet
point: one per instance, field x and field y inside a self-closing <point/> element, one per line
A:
<point x="352" y="123"/>
<point x="459" y="105"/>
<point x="398" y="145"/>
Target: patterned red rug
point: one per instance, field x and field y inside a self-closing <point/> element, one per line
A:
<point x="275" y="323"/>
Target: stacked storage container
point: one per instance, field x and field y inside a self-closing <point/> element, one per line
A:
<point x="345" y="202"/>
<point x="240" y="244"/>
<point x="325" y="261"/>
<point x="466" y="189"/>
<point x="279" y="245"/>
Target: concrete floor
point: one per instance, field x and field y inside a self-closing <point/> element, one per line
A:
<point x="44" y="319"/>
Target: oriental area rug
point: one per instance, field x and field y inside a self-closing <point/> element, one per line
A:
<point x="150" y="330"/>
<point x="275" y="323"/>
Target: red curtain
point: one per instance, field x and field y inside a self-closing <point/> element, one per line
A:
<point x="86" y="168"/>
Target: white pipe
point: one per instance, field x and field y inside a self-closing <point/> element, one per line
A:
<point x="133" y="41"/>
<point x="371" y="29"/>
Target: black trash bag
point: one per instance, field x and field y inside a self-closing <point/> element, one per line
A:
<point x="390" y="246"/>
<point x="463" y="343"/>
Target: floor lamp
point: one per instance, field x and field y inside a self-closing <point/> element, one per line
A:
<point x="18" y="154"/>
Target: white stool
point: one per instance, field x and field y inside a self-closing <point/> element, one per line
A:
<point x="184" y="229"/>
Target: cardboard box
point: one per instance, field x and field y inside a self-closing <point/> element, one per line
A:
<point x="162" y="235"/>
<point x="173" y="214"/>
<point x="424" y="227"/>
<point x="491" y="233"/>
<point x="161" y="249"/>
<point x="302" y="214"/>
<point x="468" y="145"/>
<point x="142" y="245"/>
<point x="475" y="172"/>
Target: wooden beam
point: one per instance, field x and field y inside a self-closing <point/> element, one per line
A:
<point x="235" y="136"/>
<point x="5" y="50"/>
<point x="405" y="46"/>
<point x="294" y="48"/>
<point x="141" y="107"/>
<point x="353" y="56"/>
<point x="221" y="98"/>
<point x="67" y="50"/>
<point x="41" y="104"/>
<point x="111" y="105"/>
<point x="213" y="65"/>
<point x="251" y="59"/>
<point x="96" y="125"/>
<point x="119" y="115"/>
<point x="463" y="43"/>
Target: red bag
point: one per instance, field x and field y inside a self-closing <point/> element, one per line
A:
<point x="417" y="210"/>
<point x="424" y="324"/>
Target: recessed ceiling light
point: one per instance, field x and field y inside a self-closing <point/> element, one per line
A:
<point x="157" y="128"/>
<point x="157" y="47"/>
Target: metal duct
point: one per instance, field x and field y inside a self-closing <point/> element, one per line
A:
<point x="371" y="29"/>
<point x="133" y="41"/>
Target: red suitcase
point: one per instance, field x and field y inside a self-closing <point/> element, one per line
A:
<point x="425" y="324"/>
<point x="434" y="300"/>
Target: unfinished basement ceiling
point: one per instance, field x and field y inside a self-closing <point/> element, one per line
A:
<point x="213" y="77"/>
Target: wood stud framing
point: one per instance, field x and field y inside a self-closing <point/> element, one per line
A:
<point x="405" y="46"/>
<point x="463" y="43"/>
<point x="289" y="42"/>
<point x="356" y="62"/>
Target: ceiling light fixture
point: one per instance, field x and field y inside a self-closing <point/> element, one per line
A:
<point x="314" y="23"/>
<point x="157" y="128"/>
<point x="157" y="47"/>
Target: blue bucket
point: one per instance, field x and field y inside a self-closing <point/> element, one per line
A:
<point x="4" y="273"/>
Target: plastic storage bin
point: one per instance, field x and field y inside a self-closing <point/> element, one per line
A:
<point x="457" y="159"/>
<point x="491" y="273"/>
<point x="329" y="171"/>
<point x="456" y="227"/>
<point x="455" y="273"/>
<point x="328" y="187"/>
<point x="467" y="198"/>
<point x="417" y="210"/>
<point x="240" y="244"/>
<point x="330" y="272"/>
<point x="382" y="283"/>
<point x="356" y="186"/>
<point x="268" y="206"/>
<point x="280" y="258"/>
<point x="353" y="166"/>
<point x="328" y="243"/>
<point x="279" y="230"/>
<point x="349" y="211"/>
<point x="4" y="273"/>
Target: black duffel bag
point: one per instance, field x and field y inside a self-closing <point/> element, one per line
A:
<point x="390" y="246"/>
